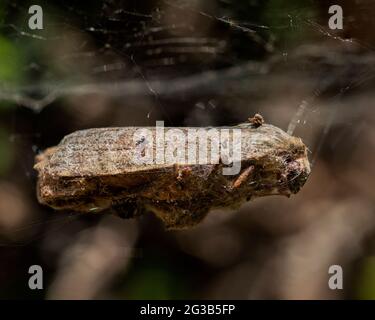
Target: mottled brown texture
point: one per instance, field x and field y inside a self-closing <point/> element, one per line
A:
<point x="257" y="120"/>
<point x="92" y="170"/>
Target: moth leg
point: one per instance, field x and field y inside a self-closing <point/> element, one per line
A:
<point x="126" y="209"/>
<point x="242" y="177"/>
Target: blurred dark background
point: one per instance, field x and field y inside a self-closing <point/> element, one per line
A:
<point x="195" y="63"/>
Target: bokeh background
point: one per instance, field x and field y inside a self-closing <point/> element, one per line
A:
<point x="203" y="62"/>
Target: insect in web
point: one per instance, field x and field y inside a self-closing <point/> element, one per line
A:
<point x="93" y="171"/>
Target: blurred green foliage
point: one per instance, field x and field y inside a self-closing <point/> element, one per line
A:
<point x="6" y="152"/>
<point x="12" y="63"/>
<point x="154" y="279"/>
<point x="366" y="283"/>
<point x="288" y="20"/>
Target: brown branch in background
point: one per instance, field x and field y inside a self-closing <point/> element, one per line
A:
<point x="93" y="170"/>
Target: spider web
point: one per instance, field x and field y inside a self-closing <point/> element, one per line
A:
<point x="193" y="62"/>
<point x="160" y="48"/>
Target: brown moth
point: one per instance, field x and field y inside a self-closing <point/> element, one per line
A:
<point x="94" y="170"/>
